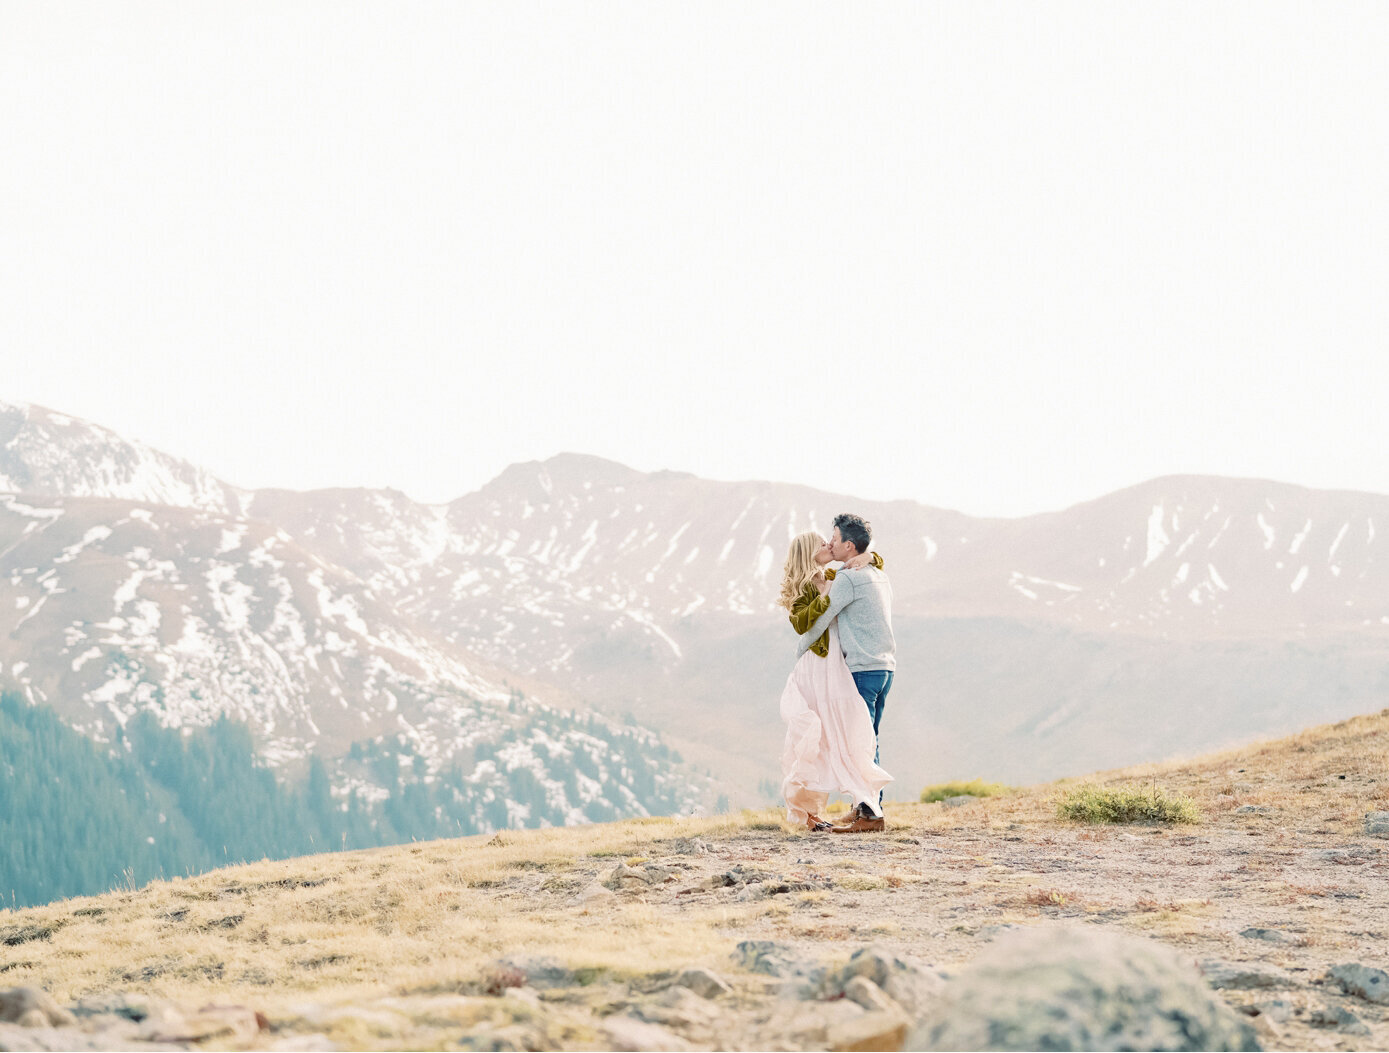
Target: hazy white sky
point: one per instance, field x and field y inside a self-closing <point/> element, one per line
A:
<point x="1000" y="258"/>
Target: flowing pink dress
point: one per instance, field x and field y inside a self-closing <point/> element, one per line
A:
<point x="829" y="736"/>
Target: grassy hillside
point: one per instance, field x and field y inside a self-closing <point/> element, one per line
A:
<point x="398" y="946"/>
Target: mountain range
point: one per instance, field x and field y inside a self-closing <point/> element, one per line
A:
<point x="1176" y="616"/>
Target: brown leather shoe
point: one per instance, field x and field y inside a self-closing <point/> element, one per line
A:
<point x="858" y="811"/>
<point x="862" y="824"/>
<point x="815" y="824"/>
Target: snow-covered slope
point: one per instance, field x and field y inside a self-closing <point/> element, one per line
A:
<point x="1189" y="556"/>
<point x="109" y="608"/>
<point x="43" y="452"/>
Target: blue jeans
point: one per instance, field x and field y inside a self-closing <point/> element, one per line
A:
<point x="873" y="685"/>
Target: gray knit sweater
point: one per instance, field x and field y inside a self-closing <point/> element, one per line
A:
<point x="862" y="601"/>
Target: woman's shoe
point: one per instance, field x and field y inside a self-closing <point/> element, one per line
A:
<point x="816" y="824"/>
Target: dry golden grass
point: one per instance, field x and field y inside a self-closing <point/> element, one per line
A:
<point x="411" y="916"/>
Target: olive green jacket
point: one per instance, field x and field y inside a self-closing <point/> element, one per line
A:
<point x="809" y="605"/>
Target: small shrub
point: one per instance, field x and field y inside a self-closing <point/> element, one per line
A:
<point x="1128" y="804"/>
<point x="975" y="788"/>
<point x="760" y="821"/>
<point x="861" y="883"/>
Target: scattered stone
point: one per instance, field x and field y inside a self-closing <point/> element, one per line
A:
<point x="1377" y="823"/>
<point x="704" y="982"/>
<point x="1269" y="935"/>
<point x="956" y="801"/>
<point x="595" y="895"/>
<point x="806" y="983"/>
<point x="807" y="1024"/>
<point x="677" y="1007"/>
<point x="1276" y="1009"/>
<point x="624" y="877"/>
<point x="31" y="1007"/>
<point x="689" y="846"/>
<point x="738" y="876"/>
<point x="1244" y="976"/>
<point x="1253" y="809"/>
<point x="122" y="1004"/>
<point x="1267" y="1032"/>
<point x="537" y="971"/>
<point x="1350" y="853"/>
<point x="629" y="1033"/>
<point x="911" y="986"/>
<point x="1333" y="1016"/>
<point x="875" y="1030"/>
<point x="988" y="932"/>
<point x="750" y="893"/>
<point x="1079" y="988"/>
<point x="235" y="1025"/>
<point x="165" y="1023"/>
<point x="1363" y="981"/>
<point x="765" y="957"/>
<point x="863" y="991"/>
<point x="874" y="963"/>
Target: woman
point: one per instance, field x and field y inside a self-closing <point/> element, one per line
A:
<point x="829" y="734"/>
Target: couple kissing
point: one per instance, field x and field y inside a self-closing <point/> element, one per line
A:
<point x="833" y="700"/>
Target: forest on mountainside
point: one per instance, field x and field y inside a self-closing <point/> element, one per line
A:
<point x="80" y="818"/>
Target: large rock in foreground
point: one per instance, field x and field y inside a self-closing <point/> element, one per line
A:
<point x="1061" y="988"/>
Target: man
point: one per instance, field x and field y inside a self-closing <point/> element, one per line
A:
<point x="862" y="601"/>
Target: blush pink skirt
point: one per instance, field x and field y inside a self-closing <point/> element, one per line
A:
<point x="829" y="736"/>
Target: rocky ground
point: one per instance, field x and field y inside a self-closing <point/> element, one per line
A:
<point x="1269" y="919"/>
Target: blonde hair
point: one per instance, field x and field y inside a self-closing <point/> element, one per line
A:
<point x="800" y="566"/>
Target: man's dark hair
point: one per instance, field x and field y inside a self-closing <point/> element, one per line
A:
<point x="854" y="529"/>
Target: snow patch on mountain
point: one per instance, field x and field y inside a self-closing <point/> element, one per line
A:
<point x="53" y="454"/>
<point x="1340" y="536"/>
<point x="1158" y="538"/>
<point x="1300" y="537"/>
